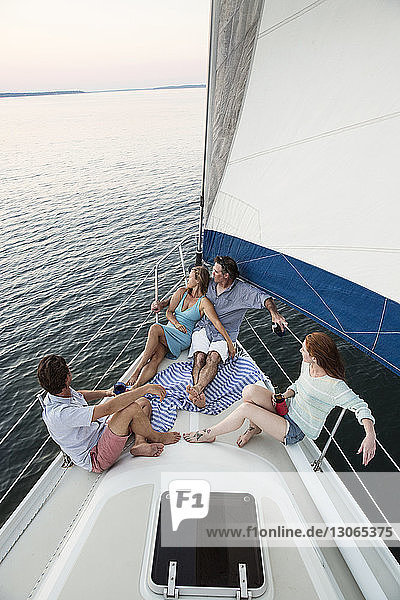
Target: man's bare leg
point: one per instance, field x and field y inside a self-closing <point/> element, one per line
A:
<point x="199" y="361"/>
<point x="133" y="419"/>
<point x="206" y="375"/>
<point x="142" y="447"/>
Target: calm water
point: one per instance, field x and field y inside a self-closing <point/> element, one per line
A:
<point x="94" y="188"/>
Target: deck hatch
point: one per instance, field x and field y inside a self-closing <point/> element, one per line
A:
<point x="229" y="566"/>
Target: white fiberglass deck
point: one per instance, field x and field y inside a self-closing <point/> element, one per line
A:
<point x="93" y="536"/>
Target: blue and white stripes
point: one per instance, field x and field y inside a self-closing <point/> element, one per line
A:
<point x="223" y="391"/>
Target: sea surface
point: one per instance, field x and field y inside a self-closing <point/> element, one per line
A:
<point x="94" y="189"/>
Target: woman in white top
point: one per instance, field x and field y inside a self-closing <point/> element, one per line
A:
<point x="319" y="388"/>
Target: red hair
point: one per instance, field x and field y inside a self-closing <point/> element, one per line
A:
<point x="321" y="347"/>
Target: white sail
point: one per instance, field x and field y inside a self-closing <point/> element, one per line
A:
<point x="312" y="172"/>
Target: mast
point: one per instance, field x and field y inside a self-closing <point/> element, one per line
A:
<point x="199" y="250"/>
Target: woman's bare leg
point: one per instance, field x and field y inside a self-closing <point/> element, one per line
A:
<point x="260" y="396"/>
<point x="150" y="369"/>
<point x="267" y="421"/>
<point x="155" y="337"/>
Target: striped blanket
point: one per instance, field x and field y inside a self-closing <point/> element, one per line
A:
<point x="223" y="391"/>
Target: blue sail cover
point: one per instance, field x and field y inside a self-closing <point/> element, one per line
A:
<point x="364" y="318"/>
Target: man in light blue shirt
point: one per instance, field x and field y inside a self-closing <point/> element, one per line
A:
<point x="84" y="432"/>
<point x="231" y="298"/>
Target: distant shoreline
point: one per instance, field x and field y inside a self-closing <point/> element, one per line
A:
<point x="63" y="92"/>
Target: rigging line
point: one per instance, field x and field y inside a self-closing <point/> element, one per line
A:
<point x="315" y="291"/>
<point x="293" y="17"/>
<point x="19" y="421"/>
<point x="124" y="348"/>
<point x="293" y="334"/>
<point x="269" y="352"/>
<point x="135" y="334"/>
<point x="380" y="325"/>
<point x="113" y="314"/>
<point x="318" y="136"/>
<point x="381" y="446"/>
<point x="363" y="485"/>
<point x="333" y="328"/>
<point x="128" y="297"/>
<point x="341" y="332"/>
<point x="25" y="469"/>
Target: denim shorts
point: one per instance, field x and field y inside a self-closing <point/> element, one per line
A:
<point x="294" y="434"/>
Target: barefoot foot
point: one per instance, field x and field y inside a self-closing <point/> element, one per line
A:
<point x="171" y="437"/>
<point x="196" y="396"/>
<point x="146" y="449"/>
<point x="133" y="379"/>
<point x="195" y="437"/>
<point x="247" y="435"/>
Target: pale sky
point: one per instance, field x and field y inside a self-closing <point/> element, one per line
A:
<point x="100" y="44"/>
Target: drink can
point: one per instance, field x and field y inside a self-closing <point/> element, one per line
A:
<point x="280" y="406"/>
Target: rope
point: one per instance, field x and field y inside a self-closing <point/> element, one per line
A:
<point x="24" y="469"/>
<point x="270" y="353"/>
<point x="19" y="420"/>
<point x="293" y="334"/>
<point x="388" y="455"/>
<point x="135" y="334"/>
<point x="361" y="482"/>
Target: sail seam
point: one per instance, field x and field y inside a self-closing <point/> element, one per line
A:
<point x="245" y="262"/>
<point x="380" y="325"/>
<point x="315" y="292"/>
<point x="333" y="328"/>
<point x="319" y="136"/>
<point x="343" y="333"/>
<point x="292" y="17"/>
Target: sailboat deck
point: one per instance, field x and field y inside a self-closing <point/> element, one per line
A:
<point x="92" y="538"/>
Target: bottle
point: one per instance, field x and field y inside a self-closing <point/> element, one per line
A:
<point x="119" y="387"/>
<point x="280" y="406"/>
<point x="276" y="328"/>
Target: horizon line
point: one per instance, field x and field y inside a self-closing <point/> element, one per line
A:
<point x="78" y="91"/>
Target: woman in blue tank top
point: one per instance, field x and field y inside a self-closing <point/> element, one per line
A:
<point x="187" y="306"/>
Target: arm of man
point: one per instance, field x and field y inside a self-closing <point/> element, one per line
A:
<point x="92" y="395"/>
<point x="275" y="315"/>
<point x="121" y="401"/>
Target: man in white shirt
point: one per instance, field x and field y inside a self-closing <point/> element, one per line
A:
<point x="91" y="437"/>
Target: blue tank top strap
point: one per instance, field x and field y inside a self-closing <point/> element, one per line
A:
<point x="182" y="299"/>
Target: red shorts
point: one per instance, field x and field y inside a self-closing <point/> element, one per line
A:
<point x="107" y="450"/>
